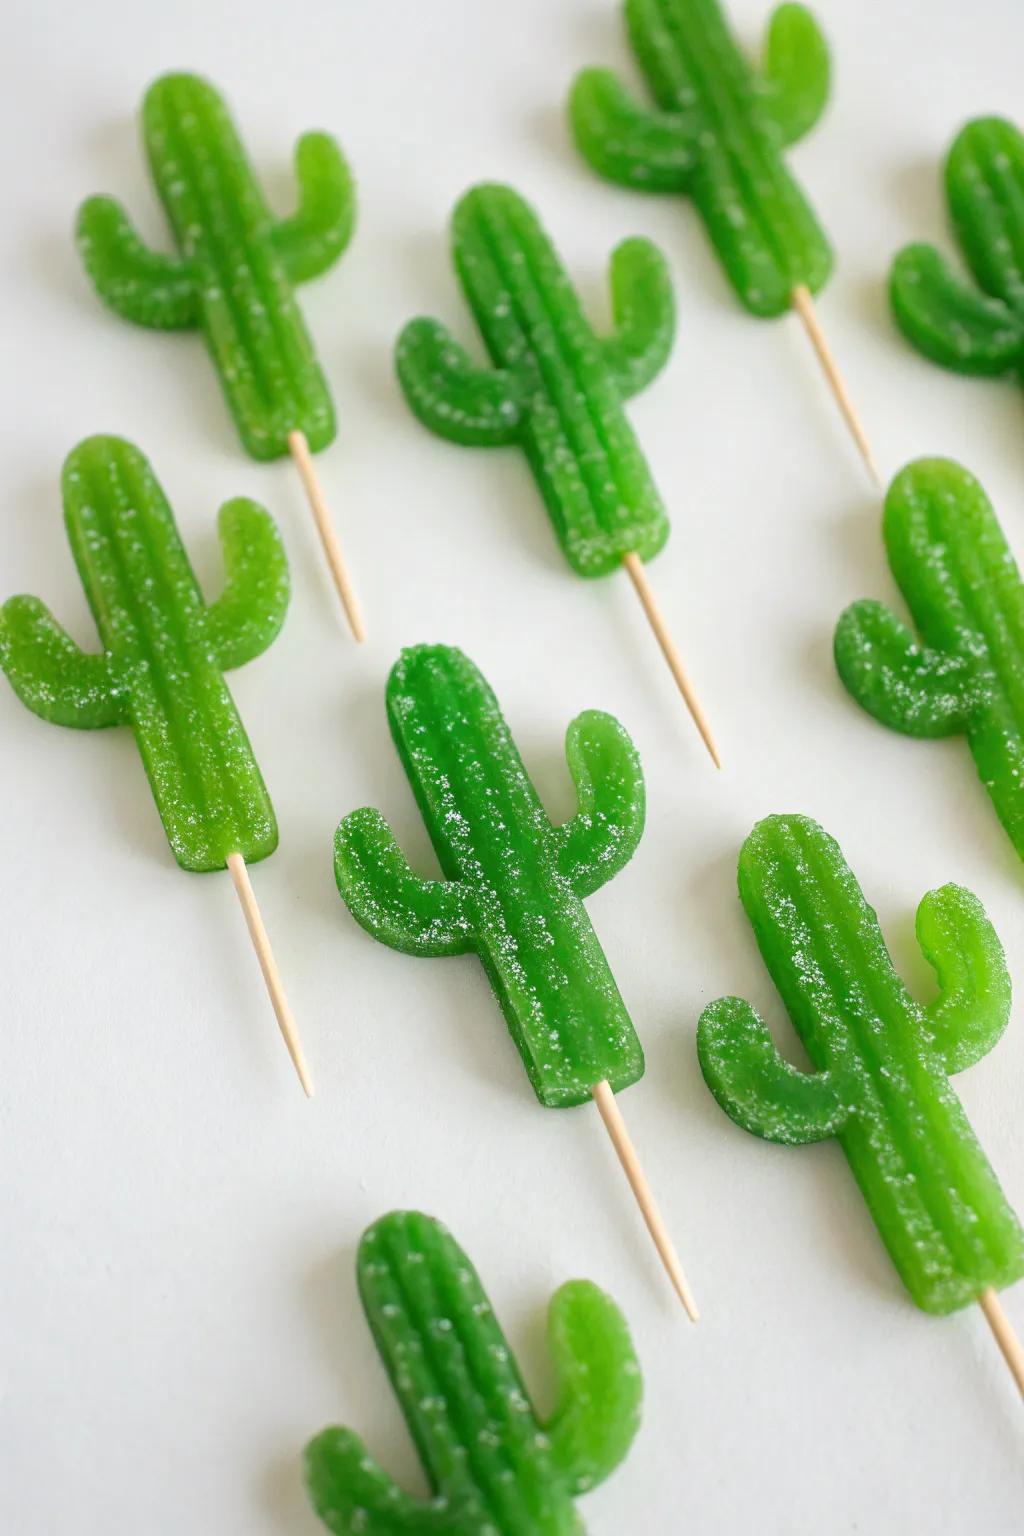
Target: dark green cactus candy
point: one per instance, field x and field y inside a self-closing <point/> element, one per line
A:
<point x="235" y="274"/>
<point x="513" y="883"/>
<point x="717" y="137"/>
<point x="164" y="649"/>
<point x="495" y="1467"/>
<point x="963" y="588"/>
<point x="972" y="330"/>
<point x="556" y="388"/>
<point x="881" y="1062"/>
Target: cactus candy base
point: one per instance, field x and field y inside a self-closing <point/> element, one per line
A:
<point x="164" y="649"/>
<point x="235" y="275"/>
<point x="974" y="330"/>
<point x="962" y="586"/>
<point x="495" y="1467"/>
<point x="556" y="388"/>
<point x="881" y="1061"/>
<point x="717" y="137"/>
<point x="513" y="883"/>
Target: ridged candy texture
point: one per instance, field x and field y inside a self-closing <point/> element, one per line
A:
<point x="881" y="1061"/>
<point x="972" y="330"/>
<point x="717" y="137"/>
<point x="495" y="1468"/>
<point x="963" y="588"/>
<point x="164" y="649"/>
<point x="234" y="277"/>
<point x="513" y="882"/>
<point x="556" y="388"/>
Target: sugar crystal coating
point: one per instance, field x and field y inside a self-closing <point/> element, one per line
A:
<point x="234" y="277"/>
<point x="881" y="1062"/>
<point x="556" y="388"/>
<point x="972" y="330"/>
<point x="513" y="882"/>
<point x="495" y="1467"/>
<point x="717" y="137"/>
<point x="962" y="586"/>
<point x="164" y="649"/>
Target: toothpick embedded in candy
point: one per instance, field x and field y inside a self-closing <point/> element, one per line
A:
<point x="513" y="884"/>
<point x="235" y="276"/>
<point x="161" y="667"/>
<point x="977" y="330"/>
<point x="491" y="1460"/>
<point x="556" y="389"/>
<point x="962" y="586"/>
<point x="881" y="1062"/>
<point x="717" y="137"/>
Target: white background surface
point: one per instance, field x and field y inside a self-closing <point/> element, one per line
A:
<point x="176" y="1285"/>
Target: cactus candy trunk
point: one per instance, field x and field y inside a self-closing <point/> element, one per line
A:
<point x="718" y="137"/>
<point x="163" y="649"/>
<point x="513" y="882"/>
<point x="556" y="388"/>
<point x="881" y="1061"/>
<point x="494" y="1467"/>
<point x="962" y="585"/>
<point x="237" y="267"/>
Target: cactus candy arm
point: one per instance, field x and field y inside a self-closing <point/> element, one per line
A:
<point x="932" y="1194"/>
<point x="163" y="650"/>
<point x="556" y="387"/>
<point x="717" y="137"/>
<point x="972" y="330"/>
<point x="492" y="1464"/>
<point x="512" y="881"/>
<point x="963" y="588"/>
<point x="238" y="265"/>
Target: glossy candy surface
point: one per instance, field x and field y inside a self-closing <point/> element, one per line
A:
<point x="962" y="585"/>
<point x="556" y="388"/>
<point x="513" y="882"/>
<point x="881" y="1062"/>
<point x="977" y="330"/>
<point x="234" y="277"/>
<point x="495" y="1468"/>
<point x="717" y="137"/>
<point x="164" y="649"/>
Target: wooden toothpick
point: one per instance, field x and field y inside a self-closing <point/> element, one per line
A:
<point x="804" y="306"/>
<point x="610" y="1113"/>
<point x="638" y="576"/>
<point x="268" y="965"/>
<point x="1005" y="1337"/>
<point x="298" y="447"/>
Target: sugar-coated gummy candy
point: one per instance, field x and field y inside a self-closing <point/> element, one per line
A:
<point x="556" y="388"/>
<point x="513" y="883"/>
<point x="962" y="586"/>
<point x="237" y="266"/>
<point x="977" y="330"/>
<point x="493" y="1464"/>
<point x="717" y="137"/>
<point x="164" y="648"/>
<point x="881" y="1062"/>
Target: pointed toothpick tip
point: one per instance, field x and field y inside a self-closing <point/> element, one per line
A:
<point x="804" y="306"/>
<point x="656" y="619"/>
<point x="268" y="965"/>
<point x="615" y="1125"/>
<point x="298" y="447"/>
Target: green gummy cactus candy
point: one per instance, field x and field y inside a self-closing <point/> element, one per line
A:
<point x="972" y="330"/>
<point x="881" y="1061"/>
<point x="235" y="275"/>
<point x="717" y="137"/>
<point x="164" y="649"/>
<point x="962" y="585"/>
<point x="513" y="882"/>
<point x="495" y="1468"/>
<point x="556" y="388"/>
